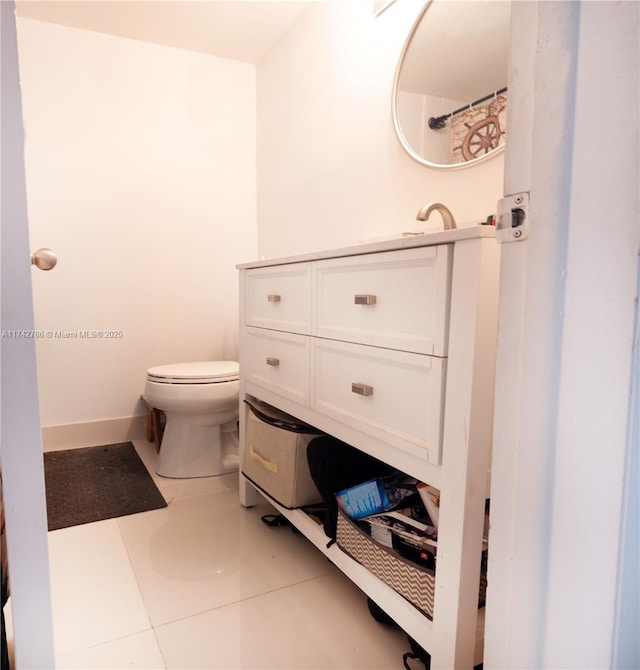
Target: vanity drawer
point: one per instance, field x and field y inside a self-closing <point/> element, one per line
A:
<point x="392" y="395"/>
<point x="278" y="362"/>
<point x="279" y="298"/>
<point x="396" y="299"/>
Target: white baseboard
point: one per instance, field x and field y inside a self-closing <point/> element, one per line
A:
<point x="93" y="433"/>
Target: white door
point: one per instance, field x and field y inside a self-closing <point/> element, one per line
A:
<point x="20" y="444"/>
<point x="568" y="347"/>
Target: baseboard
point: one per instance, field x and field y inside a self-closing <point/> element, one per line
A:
<point x="94" y="433"/>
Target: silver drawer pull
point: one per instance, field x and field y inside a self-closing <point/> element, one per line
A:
<point x="274" y="362"/>
<point x="362" y="389"/>
<point x="364" y="299"/>
<point x="273" y="297"/>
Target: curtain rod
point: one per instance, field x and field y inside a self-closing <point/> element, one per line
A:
<point x="437" y="122"/>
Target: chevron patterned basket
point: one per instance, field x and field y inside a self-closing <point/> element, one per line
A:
<point x="412" y="581"/>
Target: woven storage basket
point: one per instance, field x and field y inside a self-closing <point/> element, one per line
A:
<point x="412" y="581"/>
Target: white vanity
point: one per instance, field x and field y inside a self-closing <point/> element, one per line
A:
<point x="390" y="347"/>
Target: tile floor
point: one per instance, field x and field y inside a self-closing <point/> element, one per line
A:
<point x="203" y="583"/>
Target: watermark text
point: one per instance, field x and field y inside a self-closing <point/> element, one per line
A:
<point x="105" y="334"/>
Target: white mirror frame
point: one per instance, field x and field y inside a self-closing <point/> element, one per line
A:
<point x="394" y="111"/>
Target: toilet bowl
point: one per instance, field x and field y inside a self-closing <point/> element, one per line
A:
<point x="200" y="402"/>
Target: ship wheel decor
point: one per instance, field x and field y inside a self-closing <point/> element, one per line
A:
<point x="482" y="138"/>
<point x="478" y="131"/>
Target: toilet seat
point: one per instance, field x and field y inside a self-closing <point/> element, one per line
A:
<point x="200" y="372"/>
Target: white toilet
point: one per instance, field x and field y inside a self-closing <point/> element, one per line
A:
<point x="200" y="402"/>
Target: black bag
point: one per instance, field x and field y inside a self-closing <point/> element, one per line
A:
<point x="335" y="466"/>
<point x="422" y="655"/>
<point x="416" y="653"/>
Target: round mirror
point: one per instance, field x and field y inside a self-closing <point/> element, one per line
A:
<point x="450" y="88"/>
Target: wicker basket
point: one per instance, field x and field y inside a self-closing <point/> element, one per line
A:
<point x="411" y="580"/>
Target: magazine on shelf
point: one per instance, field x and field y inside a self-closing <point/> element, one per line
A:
<point x="404" y="524"/>
<point x="376" y="495"/>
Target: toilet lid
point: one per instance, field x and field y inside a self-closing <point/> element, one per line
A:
<point x="201" y="372"/>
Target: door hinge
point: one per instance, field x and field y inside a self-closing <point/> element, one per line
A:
<point x="512" y="223"/>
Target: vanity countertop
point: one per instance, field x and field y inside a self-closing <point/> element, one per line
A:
<point x="409" y="242"/>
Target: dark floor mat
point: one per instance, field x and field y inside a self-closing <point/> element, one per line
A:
<point x="96" y="483"/>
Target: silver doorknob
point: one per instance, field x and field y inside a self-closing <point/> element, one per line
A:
<point x="44" y="259"/>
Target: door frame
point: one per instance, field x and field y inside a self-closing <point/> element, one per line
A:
<point x="562" y="503"/>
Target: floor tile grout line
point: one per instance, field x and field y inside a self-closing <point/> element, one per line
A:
<point x="131" y="566"/>
<point x="138" y="586"/>
<point x="61" y="657"/>
<point x="238" y="602"/>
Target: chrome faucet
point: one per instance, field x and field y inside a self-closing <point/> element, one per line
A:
<point x="445" y="213"/>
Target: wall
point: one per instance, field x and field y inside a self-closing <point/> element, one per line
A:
<point x="141" y="175"/>
<point x="140" y="165"/>
<point x="330" y="169"/>
<point x="414" y="112"/>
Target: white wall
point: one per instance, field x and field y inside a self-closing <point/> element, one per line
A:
<point x="140" y="165"/>
<point x="414" y="112"/>
<point x="411" y="118"/>
<point x="141" y="175"/>
<point x="330" y="169"/>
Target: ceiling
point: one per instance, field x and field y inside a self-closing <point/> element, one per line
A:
<point x="243" y="30"/>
